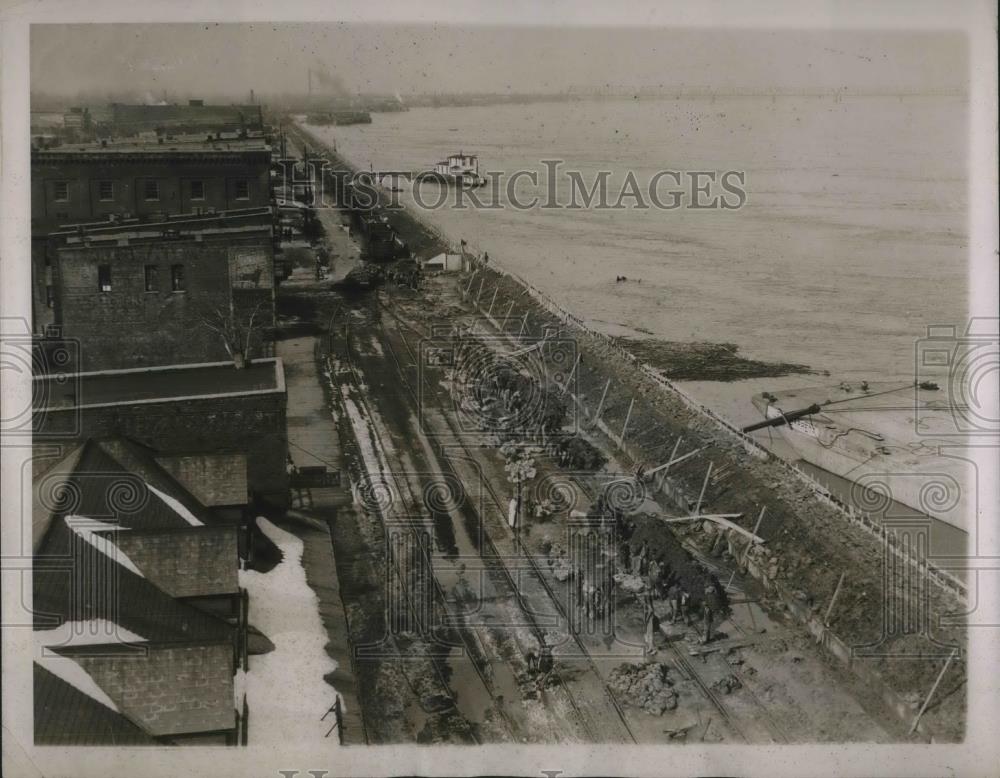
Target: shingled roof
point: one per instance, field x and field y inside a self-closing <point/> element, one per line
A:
<point x="79" y="580"/>
<point x="65" y="716"/>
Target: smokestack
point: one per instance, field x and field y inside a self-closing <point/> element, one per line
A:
<point x="310" y="83"/>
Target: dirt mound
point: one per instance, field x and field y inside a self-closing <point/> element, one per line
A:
<point x="728" y="684"/>
<point x="645" y="686"/>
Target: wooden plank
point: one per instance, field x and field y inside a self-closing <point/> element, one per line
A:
<point x="722" y="645"/>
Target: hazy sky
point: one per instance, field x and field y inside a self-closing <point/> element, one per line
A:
<point x="228" y="60"/>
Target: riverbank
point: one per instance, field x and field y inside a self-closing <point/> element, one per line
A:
<point x="685" y="361"/>
<point x="806" y="540"/>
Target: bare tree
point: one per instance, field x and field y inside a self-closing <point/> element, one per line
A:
<point x="236" y="331"/>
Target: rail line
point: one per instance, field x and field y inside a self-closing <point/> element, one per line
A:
<point x="537" y="573"/>
<point x="682" y="660"/>
<point x="442" y="601"/>
<point x="498" y="567"/>
<point x="776" y="730"/>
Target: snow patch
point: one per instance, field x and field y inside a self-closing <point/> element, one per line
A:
<point x="79" y="633"/>
<point x="285" y="689"/>
<point x="177" y="507"/>
<point x="87" y="529"/>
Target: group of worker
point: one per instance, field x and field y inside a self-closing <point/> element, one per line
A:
<point x="661" y="583"/>
<point x="679" y="602"/>
<point x="540" y="665"/>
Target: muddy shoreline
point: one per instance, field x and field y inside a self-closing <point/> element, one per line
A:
<point x="808" y="542"/>
<point x="704" y="361"/>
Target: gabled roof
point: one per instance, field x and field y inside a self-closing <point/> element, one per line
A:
<point x="76" y="579"/>
<point x="66" y="716"/>
<point x="141" y="460"/>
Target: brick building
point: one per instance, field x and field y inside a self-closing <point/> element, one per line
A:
<point x="191" y="289"/>
<point x="140" y="624"/>
<point x="124" y="118"/>
<point x="144" y="180"/>
<point x="180" y="411"/>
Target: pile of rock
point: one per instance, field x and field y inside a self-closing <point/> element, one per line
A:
<point x="630" y="583"/>
<point x="646" y="686"/>
<point x="728" y="684"/>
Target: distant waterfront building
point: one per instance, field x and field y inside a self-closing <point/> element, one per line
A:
<point x="120" y="119"/>
<point x="144" y="179"/>
<point x="188" y="289"/>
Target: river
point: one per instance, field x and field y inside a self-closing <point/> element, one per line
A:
<point x="853" y="238"/>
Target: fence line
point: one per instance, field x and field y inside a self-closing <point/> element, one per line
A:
<point x="856" y="517"/>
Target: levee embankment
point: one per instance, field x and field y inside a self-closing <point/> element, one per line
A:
<point x="886" y="620"/>
<point x="861" y="589"/>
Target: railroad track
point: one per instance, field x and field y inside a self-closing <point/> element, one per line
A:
<point x="537" y="574"/>
<point x="776" y="730"/>
<point x="491" y="556"/>
<point x="714" y="700"/>
<point x="401" y="485"/>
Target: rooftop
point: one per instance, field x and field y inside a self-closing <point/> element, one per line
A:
<point x="64" y="715"/>
<point x="168" y="225"/>
<point x="157" y="384"/>
<point x="152" y="144"/>
<point x="78" y="511"/>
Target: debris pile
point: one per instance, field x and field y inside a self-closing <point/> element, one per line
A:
<point x="557" y="560"/>
<point x="727" y="684"/>
<point x="646" y="686"/>
<point x="630" y="583"/>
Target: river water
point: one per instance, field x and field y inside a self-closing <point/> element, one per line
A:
<point x="851" y="242"/>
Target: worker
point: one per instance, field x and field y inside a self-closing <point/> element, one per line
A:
<point x="625" y="555"/>
<point x="653" y="576"/>
<point x="639" y="559"/>
<point x="674" y="601"/>
<point x="710" y="606"/>
<point x="545" y="665"/>
<point x="598" y="601"/>
<point x="652" y="627"/>
<point x="686" y="605"/>
<point x="545" y="659"/>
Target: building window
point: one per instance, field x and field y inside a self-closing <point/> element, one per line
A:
<point x="197" y="190"/>
<point x="104" y="278"/>
<point x="106" y="191"/>
<point x="152" y="283"/>
<point x="50" y="296"/>
<point x="61" y="191"/>
<point x="151" y="189"/>
<point x="177" y="278"/>
<point x="242" y="189"/>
